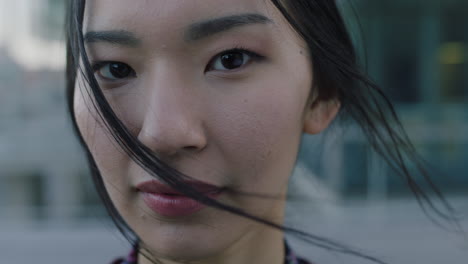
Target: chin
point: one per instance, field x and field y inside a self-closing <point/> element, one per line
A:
<point x="174" y="240"/>
<point x="186" y="248"/>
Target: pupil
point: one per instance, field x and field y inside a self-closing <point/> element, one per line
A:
<point x="232" y="60"/>
<point x="119" y="70"/>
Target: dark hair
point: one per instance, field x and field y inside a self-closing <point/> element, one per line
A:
<point x="337" y="76"/>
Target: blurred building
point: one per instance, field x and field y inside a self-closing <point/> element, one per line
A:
<point x="42" y="172"/>
<point x="417" y="51"/>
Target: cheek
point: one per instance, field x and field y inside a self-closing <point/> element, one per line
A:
<point x="260" y="136"/>
<point x="109" y="157"/>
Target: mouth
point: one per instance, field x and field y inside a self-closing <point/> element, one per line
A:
<point x="157" y="187"/>
<point x="166" y="201"/>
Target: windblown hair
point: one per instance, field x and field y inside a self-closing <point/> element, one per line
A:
<point x="337" y="77"/>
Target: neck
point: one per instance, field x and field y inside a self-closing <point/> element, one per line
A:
<point x="264" y="246"/>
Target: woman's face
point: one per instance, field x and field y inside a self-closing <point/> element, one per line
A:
<point x="219" y="90"/>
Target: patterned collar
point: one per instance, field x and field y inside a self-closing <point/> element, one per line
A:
<point x="290" y="257"/>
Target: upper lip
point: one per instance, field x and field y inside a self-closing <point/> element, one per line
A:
<point x="157" y="187"/>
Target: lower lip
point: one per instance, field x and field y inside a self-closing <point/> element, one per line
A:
<point x="174" y="206"/>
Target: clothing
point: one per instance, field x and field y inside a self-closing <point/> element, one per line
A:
<point x="290" y="258"/>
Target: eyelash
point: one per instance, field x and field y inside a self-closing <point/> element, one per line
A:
<point x="254" y="57"/>
<point x="99" y="64"/>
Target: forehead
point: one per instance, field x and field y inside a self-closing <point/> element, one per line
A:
<point x="162" y="14"/>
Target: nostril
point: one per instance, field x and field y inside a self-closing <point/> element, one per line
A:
<point x="192" y="148"/>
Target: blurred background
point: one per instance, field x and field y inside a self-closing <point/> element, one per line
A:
<point x="416" y="50"/>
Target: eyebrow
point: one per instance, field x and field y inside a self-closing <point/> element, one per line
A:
<point x="214" y="26"/>
<point x="196" y="31"/>
<point x="119" y="37"/>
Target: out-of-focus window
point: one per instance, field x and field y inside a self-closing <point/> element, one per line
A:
<point x="453" y="55"/>
<point x="51" y="17"/>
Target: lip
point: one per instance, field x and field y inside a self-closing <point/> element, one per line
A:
<point x="167" y="201"/>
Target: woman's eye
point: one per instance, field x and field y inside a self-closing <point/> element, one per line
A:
<point x="231" y="60"/>
<point x="114" y="71"/>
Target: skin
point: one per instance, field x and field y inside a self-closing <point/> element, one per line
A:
<point x="239" y="128"/>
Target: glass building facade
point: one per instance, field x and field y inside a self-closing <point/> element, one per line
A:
<point x="417" y="52"/>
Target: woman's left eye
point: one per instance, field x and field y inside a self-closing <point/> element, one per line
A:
<point x="232" y="60"/>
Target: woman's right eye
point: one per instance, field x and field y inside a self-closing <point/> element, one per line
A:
<point x="114" y="71"/>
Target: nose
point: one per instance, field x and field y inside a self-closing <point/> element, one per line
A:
<point x="172" y="122"/>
